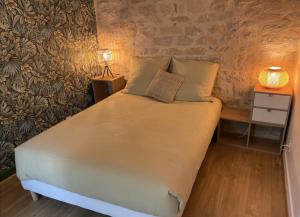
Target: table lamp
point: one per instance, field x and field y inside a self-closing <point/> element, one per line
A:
<point x="274" y="78"/>
<point x="106" y="56"/>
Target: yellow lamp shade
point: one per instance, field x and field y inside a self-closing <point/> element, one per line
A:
<point x="274" y="77"/>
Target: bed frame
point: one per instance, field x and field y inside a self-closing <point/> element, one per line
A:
<point x="37" y="188"/>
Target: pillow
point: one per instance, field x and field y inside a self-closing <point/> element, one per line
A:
<point x="164" y="86"/>
<point x="142" y="72"/>
<point x="199" y="79"/>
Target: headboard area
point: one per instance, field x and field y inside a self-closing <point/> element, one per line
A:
<point x="243" y="36"/>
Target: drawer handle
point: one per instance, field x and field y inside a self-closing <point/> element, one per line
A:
<point x="269" y="110"/>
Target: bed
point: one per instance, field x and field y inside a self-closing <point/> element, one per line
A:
<point x="127" y="156"/>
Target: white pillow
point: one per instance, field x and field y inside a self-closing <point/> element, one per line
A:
<point x="142" y="72"/>
<point x="199" y="79"/>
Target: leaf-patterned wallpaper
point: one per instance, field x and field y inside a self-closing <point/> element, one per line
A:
<point x="47" y="57"/>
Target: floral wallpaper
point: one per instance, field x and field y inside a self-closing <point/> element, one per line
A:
<point x="47" y="57"/>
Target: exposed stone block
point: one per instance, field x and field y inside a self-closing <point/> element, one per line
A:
<point x="163" y="41"/>
<point x="173" y="52"/>
<point x="192" y="30"/>
<point x="171" y="30"/>
<point x="184" y="41"/>
<point x="195" y="51"/>
<point x="180" y="19"/>
<point x="148" y="10"/>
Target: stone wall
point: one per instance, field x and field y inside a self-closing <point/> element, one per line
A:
<point x="245" y="36"/>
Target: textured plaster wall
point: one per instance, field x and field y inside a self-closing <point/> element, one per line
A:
<point x="293" y="155"/>
<point x="245" y="36"/>
<point x="47" y="55"/>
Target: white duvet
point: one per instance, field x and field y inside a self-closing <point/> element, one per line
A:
<point x="127" y="150"/>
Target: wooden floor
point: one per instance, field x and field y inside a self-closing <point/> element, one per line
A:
<point x="232" y="182"/>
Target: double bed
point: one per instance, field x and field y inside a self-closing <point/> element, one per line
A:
<point x="127" y="156"/>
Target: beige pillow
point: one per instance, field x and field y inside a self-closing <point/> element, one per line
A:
<point x="164" y="86"/>
<point x="199" y="79"/>
<point x="142" y="72"/>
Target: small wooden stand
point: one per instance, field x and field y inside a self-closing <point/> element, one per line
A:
<point x="235" y="115"/>
<point x="106" y="86"/>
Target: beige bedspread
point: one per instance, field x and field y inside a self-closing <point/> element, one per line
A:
<point x="127" y="150"/>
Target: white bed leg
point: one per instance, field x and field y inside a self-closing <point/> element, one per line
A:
<point x="34" y="196"/>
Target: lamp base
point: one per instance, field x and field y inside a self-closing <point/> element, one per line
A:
<point x="107" y="72"/>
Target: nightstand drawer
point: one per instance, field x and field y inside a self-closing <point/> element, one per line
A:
<point x="272" y="101"/>
<point x="269" y="116"/>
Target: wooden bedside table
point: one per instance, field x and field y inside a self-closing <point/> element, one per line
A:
<point x="270" y="108"/>
<point x="233" y="115"/>
<point x="106" y="86"/>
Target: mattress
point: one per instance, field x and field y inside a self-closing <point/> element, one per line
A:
<point x="127" y="150"/>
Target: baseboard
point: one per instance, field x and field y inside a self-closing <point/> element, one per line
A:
<point x="289" y="196"/>
<point x="7" y="174"/>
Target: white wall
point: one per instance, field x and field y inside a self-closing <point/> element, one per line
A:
<point x="292" y="157"/>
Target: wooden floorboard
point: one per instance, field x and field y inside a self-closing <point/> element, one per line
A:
<point x="232" y="182"/>
<point x="237" y="182"/>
